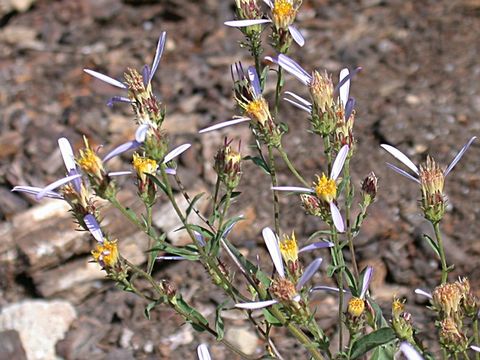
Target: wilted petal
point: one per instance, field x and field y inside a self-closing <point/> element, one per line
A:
<point x="141" y="132"/>
<point x="115" y="99"/>
<point x="309" y="272"/>
<point x="423" y="293"/>
<point x="121" y="149"/>
<point x="254" y="79"/>
<point x="339" y="162"/>
<point x="224" y="124"/>
<point x="105" y="78"/>
<point x="401" y="157"/>
<point x="32" y="190"/>
<point x="457" y="158"/>
<point x="403" y="173"/>
<point x="256" y="305"/>
<point x="202" y="351"/>
<point x="367" y="277"/>
<point x="158" y="54"/>
<point x="296" y="35"/>
<point x="337" y="217"/>
<point x="409" y="352"/>
<point x="316" y="245"/>
<point x="274" y="250"/>
<point x="55" y="185"/>
<point x="345" y="88"/>
<point x="244" y="23"/>
<point x="292" y="188"/>
<point x="176" y="152"/>
<point x="293" y="68"/>
<point x="94" y="227"/>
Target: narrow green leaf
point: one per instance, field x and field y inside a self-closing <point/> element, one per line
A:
<point x="219" y="325"/>
<point x="384" y="352"/>
<point x="371" y="341"/>
<point x="192" y="203"/>
<point x="432" y="244"/>
<point x="259" y="162"/>
<point x="149" y="308"/>
<point x="270" y="318"/>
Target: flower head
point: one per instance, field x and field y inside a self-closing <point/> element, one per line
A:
<point x="106" y="254"/>
<point x="90" y="163"/>
<point x="289" y="248"/>
<point x="143" y="166"/>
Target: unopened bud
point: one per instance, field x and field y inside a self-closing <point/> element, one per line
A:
<point x="369" y="188"/>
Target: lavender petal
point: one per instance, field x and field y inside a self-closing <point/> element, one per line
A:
<point x="367" y="277"/>
<point x="310" y="270"/>
<point x="292" y="189"/>
<point x="115" y="99"/>
<point x="403" y="173"/>
<point x="244" y="23"/>
<point x="293" y="68"/>
<point x="423" y="293"/>
<point x="158" y="55"/>
<point x="224" y="124"/>
<point x="345" y="88"/>
<point x="146" y="75"/>
<point x="400" y="157"/>
<point x="141" y="133"/>
<point x="120" y="173"/>
<point x="409" y="351"/>
<point x="349" y="108"/>
<point x="254" y="79"/>
<point x="457" y="158"/>
<point x="296" y="35"/>
<point x="316" y="245"/>
<point x="337" y="217"/>
<point x="176" y="152"/>
<point x="94" y="227"/>
<point x="274" y="250"/>
<point x="339" y="162"/>
<point x="32" y="190"/>
<point x="105" y="78"/>
<point x="55" y="185"/>
<point x="345" y="79"/>
<point x="121" y="149"/>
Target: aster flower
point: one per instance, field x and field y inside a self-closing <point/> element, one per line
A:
<point x="283" y="13"/>
<point x="106" y="252"/>
<point x="356" y="305"/>
<point x="282" y="288"/>
<point x="326" y="188"/>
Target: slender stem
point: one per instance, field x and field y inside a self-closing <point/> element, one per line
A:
<point x="465" y="355"/>
<point x="273" y="175"/>
<point x="441" y="251"/>
<point x="151" y="258"/>
<point x="289" y="164"/>
<point x="130" y="215"/>
<point x="278" y="89"/>
<point x="348" y="205"/>
<point x="476" y="336"/>
<point x="341" y="264"/>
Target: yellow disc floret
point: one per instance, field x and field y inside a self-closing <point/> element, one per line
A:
<point x="258" y="110"/>
<point x="326" y="188"/>
<point x="89" y="161"/>
<point x="398" y="307"/>
<point x="289" y="248"/>
<point x="144" y="165"/>
<point x="356" y="306"/>
<point x="283" y="13"/>
<point x="106" y="254"/>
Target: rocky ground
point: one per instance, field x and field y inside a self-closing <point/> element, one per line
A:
<point x="418" y="90"/>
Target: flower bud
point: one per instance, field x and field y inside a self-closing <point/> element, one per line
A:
<point x="432" y="180"/>
<point x="369" y="189"/>
<point x="228" y="165"/>
<point x="451" y="338"/>
<point x="446" y="298"/>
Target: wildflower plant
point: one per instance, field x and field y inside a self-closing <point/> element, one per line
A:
<point x="283" y="297"/>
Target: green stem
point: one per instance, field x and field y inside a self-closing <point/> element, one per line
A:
<point x="130" y="215"/>
<point x="341" y="264"/>
<point x="278" y="89"/>
<point x="151" y="258"/>
<point x="441" y="251"/>
<point x="476" y="336"/>
<point x="289" y="164"/>
<point x="348" y="205"/>
<point x="273" y="175"/>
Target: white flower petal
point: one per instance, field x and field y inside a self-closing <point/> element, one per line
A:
<point x="409" y="351"/>
<point x="337" y="217"/>
<point x="325" y="288"/>
<point x="345" y="88"/>
<point x="170" y="171"/>
<point x="367" y="277"/>
<point x="298" y="105"/>
<point x="33" y="190"/>
<point x="475" y="348"/>
<point x="67" y="154"/>
<point x="120" y="149"/>
<point x="158" y="54"/>
<point x="47" y="189"/>
<point x="254" y="79"/>
<point x="224" y="124"/>
<point x="271" y="242"/>
<point x="403" y="173"/>
<point x="105" y="78"/>
<point x="256" y="305"/>
<point x="293" y="189"/>
<point x="457" y="158"/>
<point x="141" y="132"/>
<point x="316" y="245"/>
<point x="293" y="68"/>
<point x="244" y="23"/>
<point x="401" y="157"/>
<point x="309" y="271"/>
<point x="170" y="258"/>
<point x="299" y="98"/>
<point x="120" y="173"/>
<point x="202" y="352"/>
<point x="296" y="35"/>
<point x="269" y="3"/>
<point x="423" y="293"/>
<point x="176" y="152"/>
<point x="339" y="162"/>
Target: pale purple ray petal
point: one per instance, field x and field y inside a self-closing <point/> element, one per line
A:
<point x="244" y="23"/>
<point x="47" y="189"/>
<point x="316" y="245"/>
<point x="339" y="161"/>
<point x="457" y="158"/>
<point x="325" y="288"/>
<point x="202" y="352"/>
<point x="158" y="54"/>
<point x="121" y="149"/>
<point x="170" y="171"/>
<point x="298" y="105"/>
<point x="401" y="157"/>
<point x="146" y="75"/>
<point x="367" y="277"/>
<point x="141" y="132"/>
<point x="475" y="348"/>
<point x="256" y="304"/>
<point x="67" y="154"/>
<point x="176" y="152"/>
<point x="299" y="98"/>
<point x="33" y="190"/>
<point x="170" y="258"/>
<point x="199" y="238"/>
<point x="349" y="108"/>
<point x="423" y="293"/>
<point x="345" y="88"/>
<point x="120" y="173"/>
<point x="409" y="352"/>
<point x="345" y="79"/>
<point x="337" y="217"/>
<point x="310" y="270"/>
<point x="296" y="35"/>
<point x="254" y="79"/>
<point x="269" y="3"/>
<point x="271" y="59"/>
<point x="293" y="189"/>
<point x="105" y="78"/>
<point x="94" y="227"/>
<point x="293" y="68"/>
<point x="403" y="172"/>
<point x="115" y="99"/>
<point x="224" y="124"/>
<point x="274" y="250"/>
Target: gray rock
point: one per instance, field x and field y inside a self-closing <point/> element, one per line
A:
<point x="11" y="346"/>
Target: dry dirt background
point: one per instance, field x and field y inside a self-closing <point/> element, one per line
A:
<point x="419" y="90"/>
